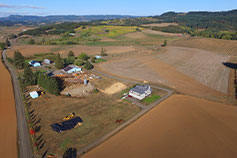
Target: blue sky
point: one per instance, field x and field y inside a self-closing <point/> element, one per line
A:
<point x="105" y="7"/>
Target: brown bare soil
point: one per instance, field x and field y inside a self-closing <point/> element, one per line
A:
<point x="161" y="24"/>
<point x="136" y="35"/>
<point x="203" y="66"/>
<point x="181" y="126"/>
<point x="29" y="50"/>
<point x="106" y="39"/>
<point x="153" y="69"/>
<point x="216" y="45"/>
<point x="8" y="131"/>
<point x="148" y="31"/>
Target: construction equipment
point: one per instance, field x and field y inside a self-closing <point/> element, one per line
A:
<point x="66" y="125"/>
<point x="68" y="117"/>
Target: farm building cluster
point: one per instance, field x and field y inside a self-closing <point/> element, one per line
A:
<point x="34" y="63"/>
<point x="76" y="81"/>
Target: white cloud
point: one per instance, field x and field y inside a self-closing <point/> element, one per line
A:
<point x="20" y="6"/>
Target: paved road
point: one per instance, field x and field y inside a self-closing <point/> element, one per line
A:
<point x="24" y="144"/>
<point x="134" y="118"/>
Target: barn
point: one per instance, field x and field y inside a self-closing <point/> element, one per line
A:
<point x="72" y="69"/>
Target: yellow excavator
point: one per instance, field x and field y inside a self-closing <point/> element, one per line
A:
<point x="68" y="117"/>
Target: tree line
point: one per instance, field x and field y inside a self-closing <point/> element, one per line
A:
<point x="29" y="78"/>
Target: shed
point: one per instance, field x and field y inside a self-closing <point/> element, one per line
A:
<point x="98" y="57"/>
<point x="34" y="94"/>
<point x="34" y="63"/>
<point x="47" y="61"/>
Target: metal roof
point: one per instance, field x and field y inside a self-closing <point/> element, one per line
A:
<point x="141" y="89"/>
<point x="67" y="68"/>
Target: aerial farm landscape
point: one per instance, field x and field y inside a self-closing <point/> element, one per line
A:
<point x="118" y="86"/>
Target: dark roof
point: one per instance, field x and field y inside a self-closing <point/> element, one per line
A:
<point x="67" y="68"/>
<point x="33" y="62"/>
<point x="141" y="89"/>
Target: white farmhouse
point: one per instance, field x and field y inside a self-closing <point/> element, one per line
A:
<point x="140" y="91"/>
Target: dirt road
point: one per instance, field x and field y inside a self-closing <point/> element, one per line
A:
<point x="24" y="144"/>
<point x="8" y="131"/>
<point x="180" y="127"/>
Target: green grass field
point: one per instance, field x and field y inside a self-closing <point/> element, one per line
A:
<point x="107" y="31"/>
<point x="151" y="99"/>
<point x="100" y="60"/>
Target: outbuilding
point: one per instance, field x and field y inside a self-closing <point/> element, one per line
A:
<point x="72" y="69"/>
<point x="98" y="57"/>
<point x="34" y="63"/>
<point x="47" y="61"/>
<point x="34" y="94"/>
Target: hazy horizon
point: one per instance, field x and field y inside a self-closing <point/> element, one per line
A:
<point x="106" y="7"/>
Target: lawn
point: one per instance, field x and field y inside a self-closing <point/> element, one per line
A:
<point x="151" y="99"/>
<point x="100" y="60"/>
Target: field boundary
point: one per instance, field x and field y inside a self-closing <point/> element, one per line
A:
<point x="127" y="123"/>
<point x="24" y="143"/>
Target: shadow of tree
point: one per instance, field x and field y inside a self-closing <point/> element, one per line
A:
<point x="39" y="137"/>
<point x="37" y="128"/>
<point x="233" y="66"/>
<point x="45" y="153"/>
<point x="230" y="65"/>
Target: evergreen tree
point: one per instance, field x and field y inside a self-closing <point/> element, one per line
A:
<point x="103" y="52"/>
<point x="71" y="54"/>
<point x="8" y="44"/>
<point x="19" y="60"/>
<point x="2" y="45"/>
<point x="48" y="83"/>
<point x="69" y="60"/>
<point x="59" y="62"/>
<point x="93" y="59"/>
<point x="29" y="78"/>
<point x="88" y="65"/>
<point x="165" y="43"/>
<point x="31" y="41"/>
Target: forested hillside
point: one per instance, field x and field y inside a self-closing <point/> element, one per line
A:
<point x="222" y="25"/>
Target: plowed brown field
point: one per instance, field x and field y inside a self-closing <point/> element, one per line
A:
<point x="216" y="45"/>
<point x="29" y="50"/>
<point x="189" y="71"/>
<point x="8" y="130"/>
<point x="180" y="127"/>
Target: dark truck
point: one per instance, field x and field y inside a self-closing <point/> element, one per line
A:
<point x="66" y="125"/>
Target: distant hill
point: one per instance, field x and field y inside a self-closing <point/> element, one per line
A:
<point x="225" y="20"/>
<point x="34" y="20"/>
